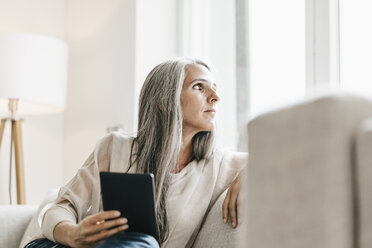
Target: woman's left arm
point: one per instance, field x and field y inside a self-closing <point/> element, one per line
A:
<point x="232" y="205"/>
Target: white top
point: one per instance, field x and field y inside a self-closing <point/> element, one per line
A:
<point x="191" y="193"/>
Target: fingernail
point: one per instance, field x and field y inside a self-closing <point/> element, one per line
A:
<point x="117" y="213"/>
<point x="233" y="224"/>
<point x="224" y="220"/>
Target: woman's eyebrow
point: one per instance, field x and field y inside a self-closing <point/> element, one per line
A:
<point x="214" y="85"/>
<point x="198" y="79"/>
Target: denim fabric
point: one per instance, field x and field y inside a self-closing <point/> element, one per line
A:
<point x="130" y="239"/>
<point x="121" y="240"/>
<point x="44" y="243"/>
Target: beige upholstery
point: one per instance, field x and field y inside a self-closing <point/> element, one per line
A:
<point x="13" y="223"/>
<point x="301" y="178"/>
<point x="309" y="181"/>
<point x="363" y="193"/>
<point x="15" y="219"/>
<point x="214" y="233"/>
<point x="33" y="225"/>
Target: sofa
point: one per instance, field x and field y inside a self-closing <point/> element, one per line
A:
<point x="15" y="222"/>
<point x="309" y="177"/>
<point x="307" y="183"/>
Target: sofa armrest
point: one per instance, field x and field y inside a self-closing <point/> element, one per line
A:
<point x="300" y="181"/>
<point x="215" y="233"/>
<point x="364" y="183"/>
<point x="14" y="220"/>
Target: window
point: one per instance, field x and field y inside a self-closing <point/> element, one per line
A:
<point x="270" y="57"/>
<point x="356" y="49"/>
<point x="277" y="53"/>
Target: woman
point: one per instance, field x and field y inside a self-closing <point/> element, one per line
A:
<point x="175" y="142"/>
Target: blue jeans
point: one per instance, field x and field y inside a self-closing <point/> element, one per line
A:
<point x="130" y="239"/>
<point x="120" y="240"/>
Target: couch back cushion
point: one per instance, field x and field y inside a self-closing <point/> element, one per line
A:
<point x="33" y="229"/>
<point x="14" y="220"/>
<point x="364" y="184"/>
<point x="215" y="233"/>
<point x="300" y="177"/>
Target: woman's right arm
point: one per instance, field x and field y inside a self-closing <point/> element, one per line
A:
<point x="75" y="218"/>
<point x="91" y="231"/>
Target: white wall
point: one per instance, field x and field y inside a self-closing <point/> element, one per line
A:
<point x="156" y="39"/>
<point x="206" y="30"/>
<point x="112" y="47"/>
<point x="221" y="52"/>
<point x="42" y="134"/>
<point x="193" y="28"/>
<point x="100" y="92"/>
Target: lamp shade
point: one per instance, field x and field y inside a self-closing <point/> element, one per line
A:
<point x="33" y="69"/>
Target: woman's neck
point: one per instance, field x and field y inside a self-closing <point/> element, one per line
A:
<point x="186" y="152"/>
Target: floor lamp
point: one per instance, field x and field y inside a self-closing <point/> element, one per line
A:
<point x="33" y="73"/>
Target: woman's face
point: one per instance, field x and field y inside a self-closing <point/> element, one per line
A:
<point x="198" y="100"/>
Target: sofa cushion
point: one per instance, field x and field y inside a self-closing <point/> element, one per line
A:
<point x="364" y="184"/>
<point x="215" y="233"/>
<point x="33" y="229"/>
<point x="14" y="220"/>
<point x="300" y="180"/>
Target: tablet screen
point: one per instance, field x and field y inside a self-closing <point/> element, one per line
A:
<point x="133" y="196"/>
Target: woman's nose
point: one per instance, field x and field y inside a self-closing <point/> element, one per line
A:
<point x="213" y="97"/>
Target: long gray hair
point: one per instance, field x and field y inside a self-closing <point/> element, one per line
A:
<point x="156" y="148"/>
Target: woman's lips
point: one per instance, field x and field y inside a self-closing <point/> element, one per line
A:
<point x="212" y="111"/>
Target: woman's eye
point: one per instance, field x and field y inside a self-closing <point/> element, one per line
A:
<point x="197" y="86"/>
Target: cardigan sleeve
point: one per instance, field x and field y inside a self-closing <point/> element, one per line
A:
<point x="80" y="197"/>
<point x="230" y="167"/>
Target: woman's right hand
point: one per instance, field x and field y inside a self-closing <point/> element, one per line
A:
<point x="91" y="231"/>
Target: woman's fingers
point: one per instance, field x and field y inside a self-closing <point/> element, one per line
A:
<point x="110" y="224"/>
<point x="229" y="207"/>
<point x="103" y="225"/>
<point x="233" y="208"/>
<point x="101" y="216"/>
<point x="95" y="228"/>
<point x="99" y="222"/>
<point x="239" y="208"/>
<point x="225" y="205"/>
<point x="106" y="233"/>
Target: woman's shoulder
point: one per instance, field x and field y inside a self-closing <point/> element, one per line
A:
<point x="228" y="159"/>
<point x="120" y="150"/>
<point x="113" y="146"/>
<point x="115" y="139"/>
<point x="230" y="154"/>
<point x="122" y="137"/>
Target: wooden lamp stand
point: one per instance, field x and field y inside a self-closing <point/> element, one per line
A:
<point x="16" y="141"/>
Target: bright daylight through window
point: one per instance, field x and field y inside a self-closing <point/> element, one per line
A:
<point x="277" y="53"/>
<point x="356" y="49"/>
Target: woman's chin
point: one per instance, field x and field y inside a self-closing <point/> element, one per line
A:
<point x="209" y="128"/>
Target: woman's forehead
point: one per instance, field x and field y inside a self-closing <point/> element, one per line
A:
<point x="193" y="68"/>
<point x="198" y="72"/>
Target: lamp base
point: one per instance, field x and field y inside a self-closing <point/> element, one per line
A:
<point x="16" y="140"/>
